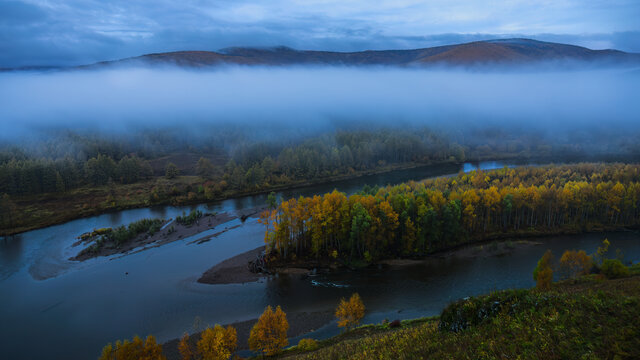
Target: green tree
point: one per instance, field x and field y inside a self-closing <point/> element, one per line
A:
<point x="204" y="168"/>
<point x="171" y="171"/>
<point x="7" y="210"/>
<point x="272" y="202"/>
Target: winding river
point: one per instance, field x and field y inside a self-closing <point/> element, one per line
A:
<point x="51" y="307"/>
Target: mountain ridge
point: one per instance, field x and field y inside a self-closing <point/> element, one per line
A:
<point x="499" y="51"/>
<point x="510" y="52"/>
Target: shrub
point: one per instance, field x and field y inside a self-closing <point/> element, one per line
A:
<point x="188" y="220"/>
<point x="307" y="344"/>
<point x="614" y="268"/>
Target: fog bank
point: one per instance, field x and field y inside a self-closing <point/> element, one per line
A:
<point x="314" y="98"/>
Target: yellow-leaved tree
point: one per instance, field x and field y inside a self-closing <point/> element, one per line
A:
<point x="217" y="343"/>
<point x="269" y="334"/>
<point x="349" y="313"/>
<point x="185" y="348"/>
<point x="135" y="349"/>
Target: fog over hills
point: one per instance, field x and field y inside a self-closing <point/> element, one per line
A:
<point x="492" y="52"/>
<point x="499" y="52"/>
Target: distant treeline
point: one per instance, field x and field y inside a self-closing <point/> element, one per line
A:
<point x="418" y="218"/>
<point x="250" y="166"/>
<point x="232" y="160"/>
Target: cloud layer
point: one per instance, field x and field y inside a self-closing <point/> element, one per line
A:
<point x="314" y="98"/>
<point x="44" y="32"/>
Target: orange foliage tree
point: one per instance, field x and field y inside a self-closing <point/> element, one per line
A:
<point x="217" y="343"/>
<point x="269" y="334"/>
<point x="185" y="348"/>
<point x="349" y="313"/>
<point x="575" y="263"/>
<point x="543" y="273"/>
<point x="133" y="350"/>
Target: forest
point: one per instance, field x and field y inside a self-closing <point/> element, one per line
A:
<point x="418" y="218"/>
<point x="84" y="172"/>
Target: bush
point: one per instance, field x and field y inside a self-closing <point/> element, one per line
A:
<point x="307" y="344"/>
<point x="613" y="269"/>
<point x="188" y="220"/>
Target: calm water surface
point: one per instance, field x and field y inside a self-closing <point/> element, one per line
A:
<point x="74" y="309"/>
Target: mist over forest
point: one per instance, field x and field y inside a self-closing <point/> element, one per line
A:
<point x="291" y="104"/>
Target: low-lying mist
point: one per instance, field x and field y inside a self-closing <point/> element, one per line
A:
<point x="269" y="100"/>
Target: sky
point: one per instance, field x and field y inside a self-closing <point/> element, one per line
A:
<point x="73" y="32"/>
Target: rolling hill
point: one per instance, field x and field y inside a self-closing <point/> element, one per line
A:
<point x="502" y="51"/>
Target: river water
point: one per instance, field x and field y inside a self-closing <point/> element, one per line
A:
<point x="55" y="308"/>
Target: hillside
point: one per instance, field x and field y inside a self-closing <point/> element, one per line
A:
<point x="587" y="318"/>
<point x="502" y="51"/>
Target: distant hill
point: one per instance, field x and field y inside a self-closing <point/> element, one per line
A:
<point x="503" y="51"/>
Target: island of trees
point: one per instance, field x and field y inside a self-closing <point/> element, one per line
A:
<point x="418" y="218"/>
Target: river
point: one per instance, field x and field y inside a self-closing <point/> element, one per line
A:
<point x="51" y="307"/>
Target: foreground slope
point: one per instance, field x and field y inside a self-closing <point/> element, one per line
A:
<point x="588" y="318"/>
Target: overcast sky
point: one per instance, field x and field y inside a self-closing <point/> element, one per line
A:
<point x="68" y="32"/>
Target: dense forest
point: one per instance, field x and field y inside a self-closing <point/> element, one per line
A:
<point x="61" y="175"/>
<point x="248" y="165"/>
<point x="418" y="218"/>
<point x="59" y="161"/>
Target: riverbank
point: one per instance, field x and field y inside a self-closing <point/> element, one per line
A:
<point x="234" y="270"/>
<point x="35" y="212"/>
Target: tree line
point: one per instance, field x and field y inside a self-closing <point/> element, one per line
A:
<point x="418" y="218"/>
<point x="37" y="176"/>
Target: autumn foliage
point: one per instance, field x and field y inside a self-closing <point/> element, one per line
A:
<point x="418" y="218"/>
<point x="185" y="348"/>
<point x="349" y="313"/>
<point x="543" y="273"/>
<point x="574" y="263"/>
<point x="217" y="343"/>
<point x="133" y="350"/>
<point x="269" y="334"/>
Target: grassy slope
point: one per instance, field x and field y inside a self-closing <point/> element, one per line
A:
<point x="589" y="318"/>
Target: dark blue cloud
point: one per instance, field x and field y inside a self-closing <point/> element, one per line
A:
<point x="66" y="32"/>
